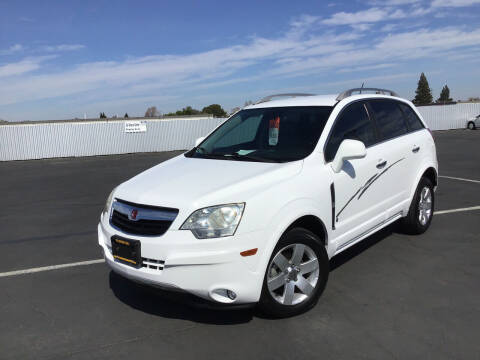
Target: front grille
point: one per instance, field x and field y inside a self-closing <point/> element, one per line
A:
<point x="153" y="264"/>
<point x="144" y="220"/>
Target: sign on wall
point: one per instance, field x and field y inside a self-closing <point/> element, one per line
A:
<point x="135" y="126"/>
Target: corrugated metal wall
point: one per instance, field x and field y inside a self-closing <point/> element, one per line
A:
<point x="444" y="117"/>
<point x="49" y="140"/>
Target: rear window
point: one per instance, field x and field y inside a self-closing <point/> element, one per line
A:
<point x="389" y="118"/>
<point x="413" y="121"/>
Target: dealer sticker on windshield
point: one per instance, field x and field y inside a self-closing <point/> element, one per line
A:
<point x="273" y="131"/>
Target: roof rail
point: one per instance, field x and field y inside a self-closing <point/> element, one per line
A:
<point x="350" y="92"/>
<point x="270" y="97"/>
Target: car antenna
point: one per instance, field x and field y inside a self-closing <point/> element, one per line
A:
<point x="363" y="83"/>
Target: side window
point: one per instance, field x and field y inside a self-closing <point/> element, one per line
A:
<point x="389" y="118"/>
<point x="413" y="121"/>
<point x="352" y="123"/>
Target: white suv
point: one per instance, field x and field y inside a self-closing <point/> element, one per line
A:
<point x="254" y="212"/>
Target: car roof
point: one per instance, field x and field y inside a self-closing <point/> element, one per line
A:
<point x="318" y="100"/>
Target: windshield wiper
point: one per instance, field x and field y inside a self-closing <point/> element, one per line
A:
<point x="250" y="157"/>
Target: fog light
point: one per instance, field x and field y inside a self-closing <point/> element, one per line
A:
<point x="231" y="295"/>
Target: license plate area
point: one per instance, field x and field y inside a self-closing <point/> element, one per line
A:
<point x="127" y="251"/>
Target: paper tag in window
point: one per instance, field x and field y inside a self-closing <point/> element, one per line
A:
<point x="273" y="130"/>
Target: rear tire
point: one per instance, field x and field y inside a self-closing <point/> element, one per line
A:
<point x="471" y="125"/>
<point x="296" y="274"/>
<point x="420" y="214"/>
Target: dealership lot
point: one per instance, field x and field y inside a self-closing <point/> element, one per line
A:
<point x="391" y="296"/>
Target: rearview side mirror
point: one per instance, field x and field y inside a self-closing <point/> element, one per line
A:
<point x="199" y="141"/>
<point x="348" y="150"/>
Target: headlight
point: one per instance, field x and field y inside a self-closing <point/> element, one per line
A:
<point x="214" y="221"/>
<point x="108" y="204"/>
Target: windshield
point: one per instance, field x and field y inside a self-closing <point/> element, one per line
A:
<point x="268" y="135"/>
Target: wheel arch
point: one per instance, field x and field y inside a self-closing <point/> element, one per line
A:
<point x="431" y="174"/>
<point x="313" y="224"/>
<point x="428" y="171"/>
<point x="302" y="213"/>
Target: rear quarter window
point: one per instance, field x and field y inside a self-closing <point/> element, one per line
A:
<point x="412" y="119"/>
<point x="389" y="118"/>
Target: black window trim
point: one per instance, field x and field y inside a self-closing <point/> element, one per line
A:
<point x="382" y="137"/>
<point x="399" y="136"/>
<point x="367" y="110"/>
<point x="405" y="117"/>
<point x="370" y="113"/>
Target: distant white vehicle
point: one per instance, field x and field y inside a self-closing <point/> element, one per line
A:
<point x="254" y="212"/>
<point x="473" y="122"/>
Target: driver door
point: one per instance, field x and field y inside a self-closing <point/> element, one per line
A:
<point x="359" y="205"/>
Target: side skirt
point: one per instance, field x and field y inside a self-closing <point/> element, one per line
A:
<point x="369" y="232"/>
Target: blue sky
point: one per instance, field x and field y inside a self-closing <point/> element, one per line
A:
<point x="61" y="59"/>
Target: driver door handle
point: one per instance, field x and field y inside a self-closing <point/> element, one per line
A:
<point x="415" y="149"/>
<point x="382" y="164"/>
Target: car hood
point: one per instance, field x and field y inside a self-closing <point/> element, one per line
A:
<point x="192" y="183"/>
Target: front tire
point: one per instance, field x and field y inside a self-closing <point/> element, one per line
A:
<point x="471" y="125"/>
<point x="420" y="214"/>
<point x="296" y="274"/>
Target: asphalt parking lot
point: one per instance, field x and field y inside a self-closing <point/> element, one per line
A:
<point x="392" y="296"/>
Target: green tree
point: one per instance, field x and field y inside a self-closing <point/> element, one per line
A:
<point x="214" y="109"/>
<point x="126" y="115"/>
<point x="423" y="94"/>
<point x="188" y="111"/>
<point x="444" y="95"/>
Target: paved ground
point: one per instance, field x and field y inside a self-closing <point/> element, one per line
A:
<point x="391" y="296"/>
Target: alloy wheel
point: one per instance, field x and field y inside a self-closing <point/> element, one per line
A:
<point x="293" y="274"/>
<point x="425" y="206"/>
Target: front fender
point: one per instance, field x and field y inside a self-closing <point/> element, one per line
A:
<point x="284" y="218"/>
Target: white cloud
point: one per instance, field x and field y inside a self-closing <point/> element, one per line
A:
<point x="301" y="51"/>
<point x="393" y="2"/>
<point x="12" y="49"/>
<point x="454" y="3"/>
<point x="364" y="16"/>
<point x="369" y="16"/>
<point x="361" y="27"/>
<point x="366" y="68"/>
<point x="389" y="27"/>
<point x="26" y="19"/>
<point x="62" y="47"/>
<point x="421" y="11"/>
<point x="407" y="46"/>
<point x="22" y="67"/>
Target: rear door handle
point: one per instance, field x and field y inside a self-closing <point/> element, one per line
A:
<point x="416" y="149"/>
<point x="382" y="164"/>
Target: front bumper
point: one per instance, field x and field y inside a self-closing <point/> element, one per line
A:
<point x="205" y="268"/>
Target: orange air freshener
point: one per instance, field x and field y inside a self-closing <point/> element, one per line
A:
<point x="273" y="131"/>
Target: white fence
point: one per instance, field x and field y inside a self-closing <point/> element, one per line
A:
<point x="88" y="138"/>
<point x="445" y="117"/>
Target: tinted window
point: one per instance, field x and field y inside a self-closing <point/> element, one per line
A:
<point x="352" y="123"/>
<point x="413" y="121"/>
<point x="245" y="132"/>
<point x="389" y="118"/>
